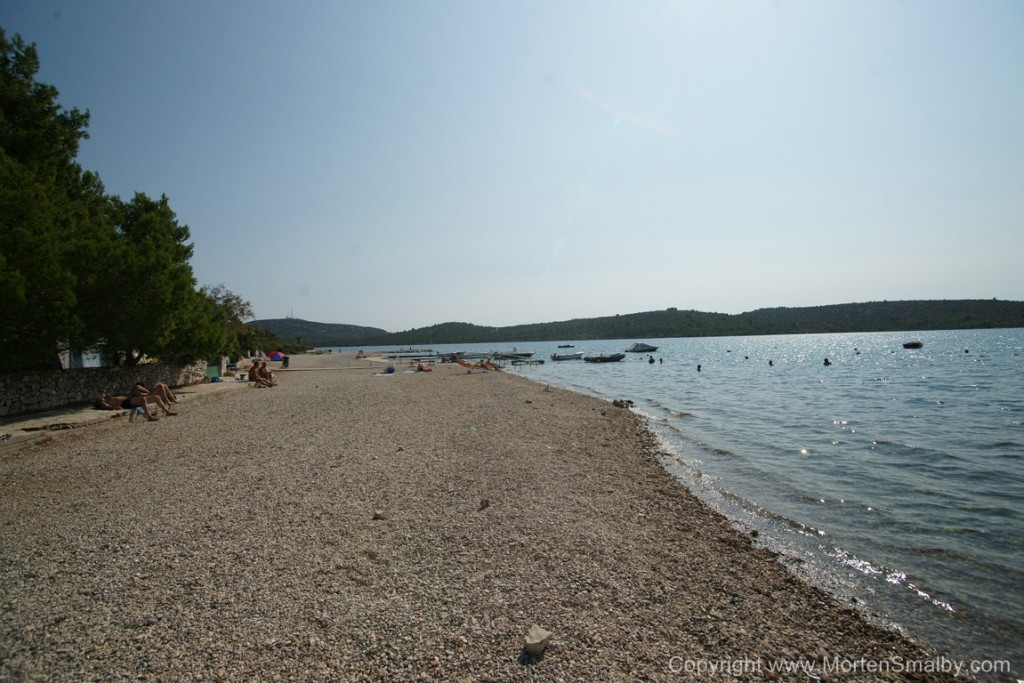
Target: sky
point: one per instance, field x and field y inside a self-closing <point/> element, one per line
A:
<point x="398" y="164"/>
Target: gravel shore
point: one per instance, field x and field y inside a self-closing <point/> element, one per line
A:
<point x="344" y="526"/>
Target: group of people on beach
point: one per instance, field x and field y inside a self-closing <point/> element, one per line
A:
<point x="261" y="375"/>
<point x="141" y="397"/>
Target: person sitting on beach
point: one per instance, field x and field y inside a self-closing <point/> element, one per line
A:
<point x="159" y="389"/>
<point x="267" y="374"/>
<point x="261" y="376"/>
<point x="143" y="402"/>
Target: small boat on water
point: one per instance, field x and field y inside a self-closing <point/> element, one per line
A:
<point x="578" y="355"/>
<point x="603" y="358"/>
<point x="566" y="346"/>
<point x="913" y="344"/>
<point x="640" y="347"/>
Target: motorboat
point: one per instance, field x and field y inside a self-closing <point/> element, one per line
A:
<point x="566" y="346"/>
<point x="640" y="347"/>
<point x="913" y="344"/>
<point x="567" y="356"/>
<point x="605" y="358"/>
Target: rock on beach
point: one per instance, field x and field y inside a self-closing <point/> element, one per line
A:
<point x="335" y="528"/>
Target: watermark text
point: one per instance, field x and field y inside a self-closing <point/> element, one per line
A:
<point x="741" y="667"/>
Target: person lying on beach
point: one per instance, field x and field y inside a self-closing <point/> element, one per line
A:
<point x="116" y="402"/>
<point x="109" y="402"/>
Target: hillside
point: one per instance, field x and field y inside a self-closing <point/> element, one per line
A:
<point x="880" y="316"/>
<point x="317" y="334"/>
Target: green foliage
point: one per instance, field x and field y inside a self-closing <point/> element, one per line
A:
<point x="151" y="281"/>
<point x="198" y="330"/>
<point x="79" y="268"/>
<point x="38" y="142"/>
<point x="38" y="296"/>
<point x="34" y="129"/>
<point x="230" y="314"/>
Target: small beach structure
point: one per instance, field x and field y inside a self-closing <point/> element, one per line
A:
<point x="604" y="358"/>
<point x="511" y="355"/>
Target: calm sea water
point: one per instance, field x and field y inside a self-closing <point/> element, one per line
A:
<point x="894" y="477"/>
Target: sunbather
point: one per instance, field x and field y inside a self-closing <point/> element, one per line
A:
<point x="116" y="402"/>
<point x="261" y="375"/>
<point x="109" y="402"/>
<point x="159" y="389"/>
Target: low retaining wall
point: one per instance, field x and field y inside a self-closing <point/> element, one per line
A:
<point x="29" y="392"/>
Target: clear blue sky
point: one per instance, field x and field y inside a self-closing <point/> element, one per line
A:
<point x="399" y="164"/>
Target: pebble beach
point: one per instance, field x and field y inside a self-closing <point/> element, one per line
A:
<point x="348" y="525"/>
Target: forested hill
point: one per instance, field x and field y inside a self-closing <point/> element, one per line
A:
<point x="861" y="317"/>
<point x="317" y="334"/>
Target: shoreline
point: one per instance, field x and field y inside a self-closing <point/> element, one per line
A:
<point x="345" y="526"/>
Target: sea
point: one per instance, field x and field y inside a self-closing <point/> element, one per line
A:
<point x="891" y="477"/>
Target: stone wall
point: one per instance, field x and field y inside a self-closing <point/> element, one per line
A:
<point x="29" y="392"/>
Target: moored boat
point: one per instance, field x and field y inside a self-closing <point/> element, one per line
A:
<point x="605" y="358"/>
<point x="640" y="347"/>
<point x="913" y="344"/>
<point x="578" y="355"/>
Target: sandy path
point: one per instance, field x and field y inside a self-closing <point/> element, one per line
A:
<point x="343" y="526"/>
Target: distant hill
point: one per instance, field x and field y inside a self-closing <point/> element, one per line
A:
<point x="879" y="316"/>
<point x="317" y="334"/>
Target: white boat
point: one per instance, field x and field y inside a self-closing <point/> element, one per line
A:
<point x="640" y="347"/>
<point x="567" y="356"/>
